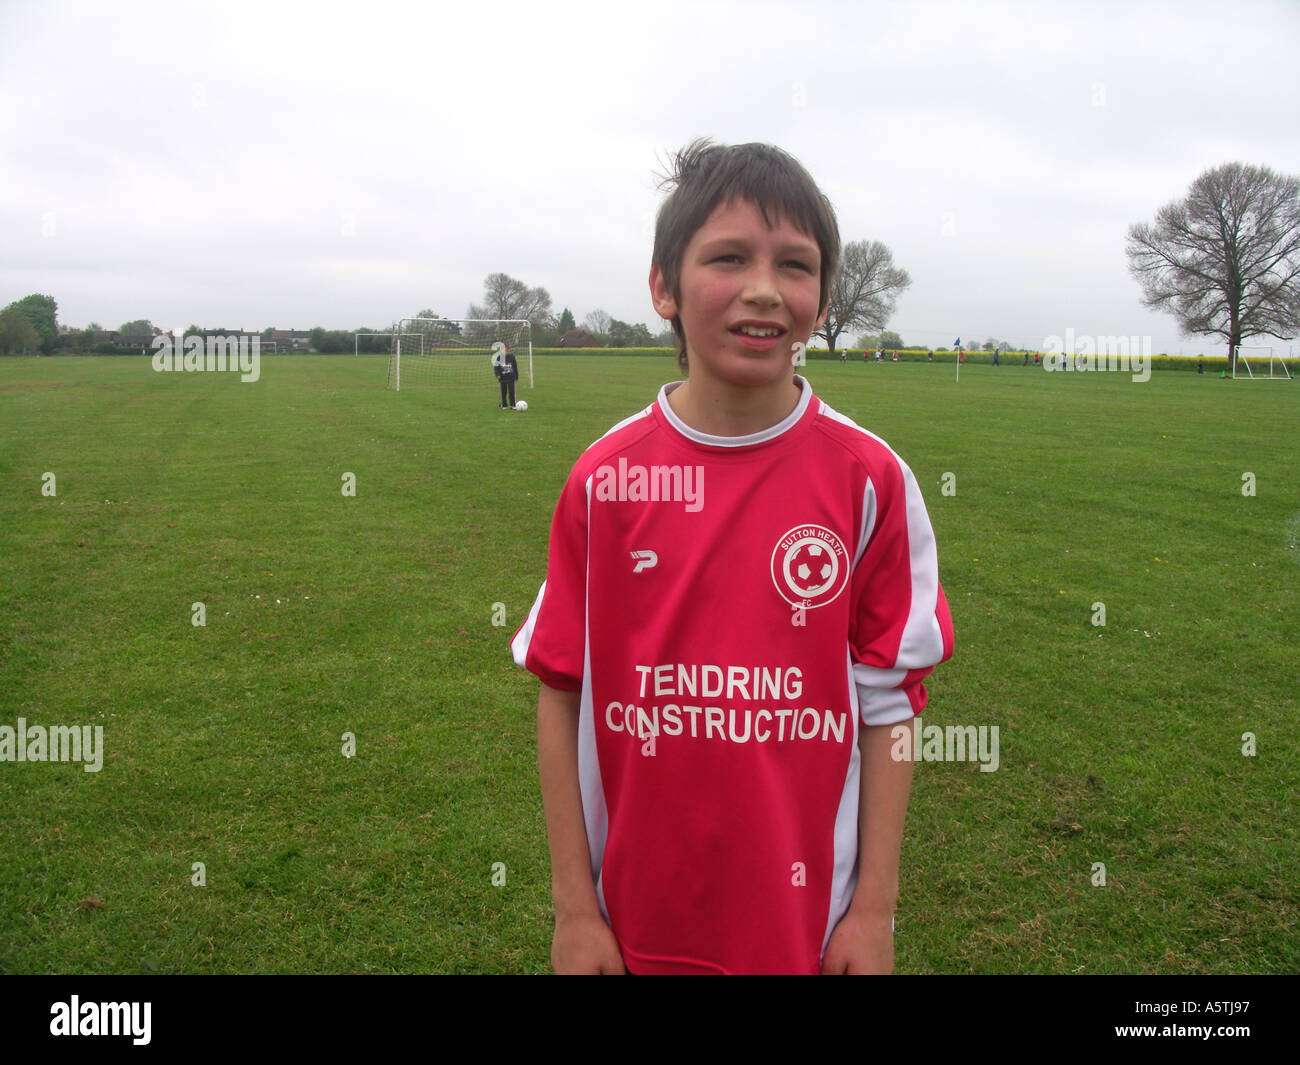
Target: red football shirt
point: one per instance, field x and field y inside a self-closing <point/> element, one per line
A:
<point x="731" y="609"/>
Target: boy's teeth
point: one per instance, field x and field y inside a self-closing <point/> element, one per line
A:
<point x="754" y="331"/>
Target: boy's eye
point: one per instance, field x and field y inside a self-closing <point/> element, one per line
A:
<point x="733" y="257"/>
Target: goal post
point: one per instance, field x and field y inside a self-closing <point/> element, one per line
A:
<point x="1259" y="363"/>
<point x="457" y="351"/>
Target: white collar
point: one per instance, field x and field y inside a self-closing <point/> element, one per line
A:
<point x="770" y="433"/>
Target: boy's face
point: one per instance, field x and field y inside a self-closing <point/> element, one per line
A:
<point x="747" y="294"/>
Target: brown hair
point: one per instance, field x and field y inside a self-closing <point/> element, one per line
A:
<point x="703" y="175"/>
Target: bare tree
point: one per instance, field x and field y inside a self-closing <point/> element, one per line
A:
<point x="1225" y="261"/>
<point x="597" y="323"/>
<point x="504" y="297"/>
<point x="865" y="292"/>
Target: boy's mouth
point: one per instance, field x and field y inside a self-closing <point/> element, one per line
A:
<point x="758" y="331"/>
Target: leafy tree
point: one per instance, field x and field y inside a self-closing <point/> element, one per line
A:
<point x="42" y="313"/>
<point x="373" y="345"/>
<point x="87" y="338"/>
<point x="623" y="335"/>
<point x="1225" y="259"/>
<point x="864" y="294"/>
<point x="545" y="331"/>
<point x="17" y="334"/>
<point x="141" y="327"/>
<point x="331" y="341"/>
<point x="566" y="322"/>
<point x="887" y="341"/>
<point x="448" y="327"/>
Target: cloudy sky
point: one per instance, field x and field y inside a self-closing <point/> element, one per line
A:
<point x="292" y="165"/>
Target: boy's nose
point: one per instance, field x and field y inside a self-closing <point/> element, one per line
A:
<point x="761" y="286"/>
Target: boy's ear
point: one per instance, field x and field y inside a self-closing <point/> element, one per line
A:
<point x="821" y="318"/>
<point x="660" y="296"/>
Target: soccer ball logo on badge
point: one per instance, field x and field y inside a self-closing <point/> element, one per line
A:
<point x="810" y="566"/>
<point x="521" y="405"/>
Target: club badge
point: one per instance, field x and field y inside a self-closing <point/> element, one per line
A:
<point x="810" y="566"/>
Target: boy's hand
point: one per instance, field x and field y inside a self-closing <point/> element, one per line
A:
<point x="585" y="946"/>
<point x="861" y="945"/>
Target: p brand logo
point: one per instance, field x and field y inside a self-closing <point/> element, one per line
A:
<point x="644" y="560"/>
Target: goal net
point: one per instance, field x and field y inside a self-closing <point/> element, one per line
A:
<point x="447" y="351"/>
<point x="1259" y="364"/>
<point x="371" y="344"/>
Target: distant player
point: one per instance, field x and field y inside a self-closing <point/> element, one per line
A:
<point x="507" y="372"/>
<point x="741" y="602"/>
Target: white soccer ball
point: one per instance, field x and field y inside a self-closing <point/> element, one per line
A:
<point x="521" y="405"/>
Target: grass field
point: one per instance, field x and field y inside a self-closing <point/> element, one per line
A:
<point x="374" y="615"/>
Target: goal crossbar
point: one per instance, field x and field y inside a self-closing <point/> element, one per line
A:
<point x="457" y="350"/>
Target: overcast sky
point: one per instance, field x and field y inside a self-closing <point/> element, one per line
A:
<point x="289" y="165"/>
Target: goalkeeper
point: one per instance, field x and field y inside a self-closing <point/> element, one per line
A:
<point x="507" y="371"/>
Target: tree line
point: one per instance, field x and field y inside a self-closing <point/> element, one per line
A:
<point x="506" y="297"/>
<point x="1224" y="261"/>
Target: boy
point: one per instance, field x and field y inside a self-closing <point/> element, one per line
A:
<point x="507" y="373"/>
<point x="742" y="597"/>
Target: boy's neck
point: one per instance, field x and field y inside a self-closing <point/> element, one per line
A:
<point x="718" y="409"/>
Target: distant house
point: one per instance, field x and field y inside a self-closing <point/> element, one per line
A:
<point x="133" y="340"/>
<point x="209" y="337"/>
<point x="291" y="339"/>
<point x="578" y="338"/>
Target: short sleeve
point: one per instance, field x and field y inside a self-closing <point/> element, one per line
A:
<point x="552" y="642"/>
<point x="901" y="627"/>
